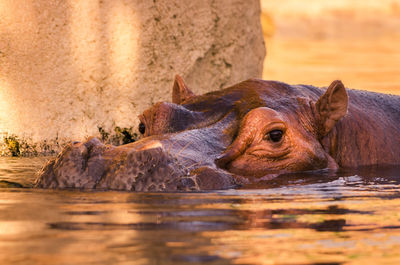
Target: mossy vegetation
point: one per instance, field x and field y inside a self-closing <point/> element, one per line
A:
<point x="119" y="136"/>
<point x="13" y="145"/>
<point x="104" y="135"/>
<point x="126" y="135"/>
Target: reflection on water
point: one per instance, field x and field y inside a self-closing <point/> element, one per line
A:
<point x="324" y="218"/>
<point x="14" y="171"/>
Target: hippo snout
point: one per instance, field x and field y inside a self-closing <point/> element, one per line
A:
<point x="150" y="169"/>
<point x="142" y="166"/>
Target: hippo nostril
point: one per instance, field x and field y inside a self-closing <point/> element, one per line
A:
<point x="221" y="161"/>
<point x="231" y="153"/>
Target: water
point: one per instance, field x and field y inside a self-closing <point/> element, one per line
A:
<point x="344" y="218"/>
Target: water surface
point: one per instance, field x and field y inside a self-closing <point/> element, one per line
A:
<point x="325" y="218"/>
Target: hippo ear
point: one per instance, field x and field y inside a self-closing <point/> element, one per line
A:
<point x="331" y="107"/>
<point x="180" y="91"/>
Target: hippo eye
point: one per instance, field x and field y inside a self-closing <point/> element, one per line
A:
<point x="142" y="128"/>
<point x="275" y="135"/>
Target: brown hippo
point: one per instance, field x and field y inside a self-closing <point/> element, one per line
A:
<point x="253" y="130"/>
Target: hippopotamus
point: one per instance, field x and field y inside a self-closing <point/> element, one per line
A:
<point x="253" y="130"/>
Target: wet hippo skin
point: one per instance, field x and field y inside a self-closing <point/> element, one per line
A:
<point x="253" y="130"/>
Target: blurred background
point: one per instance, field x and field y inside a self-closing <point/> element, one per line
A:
<point x="315" y="42"/>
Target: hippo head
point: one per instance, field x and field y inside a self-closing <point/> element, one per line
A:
<point x="273" y="127"/>
<point x="253" y="129"/>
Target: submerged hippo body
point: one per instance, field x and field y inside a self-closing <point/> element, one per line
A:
<point x="252" y="130"/>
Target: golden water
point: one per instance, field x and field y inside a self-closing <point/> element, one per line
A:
<point x="345" y="218"/>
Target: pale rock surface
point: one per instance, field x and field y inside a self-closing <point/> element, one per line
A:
<point x="70" y="67"/>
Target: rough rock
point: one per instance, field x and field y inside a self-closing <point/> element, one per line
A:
<point x="68" y="68"/>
